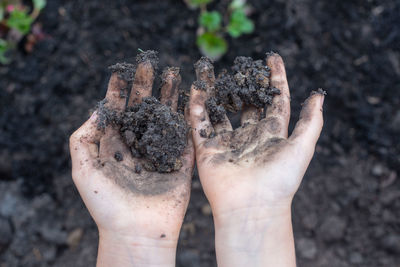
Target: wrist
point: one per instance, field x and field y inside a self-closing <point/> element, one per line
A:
<point x="119" y="249"/>
<point x="255" y="237"/>
<point x="239" y="214"/>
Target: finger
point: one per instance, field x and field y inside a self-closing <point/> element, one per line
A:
<point x="171" y="80"/>
<point x="83" y="143"/>
<point x="279" y="110"/>
<point x="250" y="115"/>
<point x="223" y="126"/>
<point x="199" y="120"/>
<point x="144" y="77"/>
<point x="205" y="74"/>
<point x="122" y="74"/>
<point x="309" y="126"/>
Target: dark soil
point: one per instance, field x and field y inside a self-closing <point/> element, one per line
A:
<point x="156" y="133"/>
<point x="126" y="71"/>
<point x="148" y="55"/>
<point x="248" y="84"/>
<point x="347" y="210"/>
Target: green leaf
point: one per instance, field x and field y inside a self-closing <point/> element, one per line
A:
<point x="20" y="20"/>
<point x="212" y="45"/>
<point x="39" y="4"/>
<point x="1" y="13"/>
<point x="4" y="47"/>
<point x="3" y="44"/>
<point x="239" y="24"/>
<point x="247" y="26"/>
<point x="210" y="20"/>
<point x="200" y="2"/>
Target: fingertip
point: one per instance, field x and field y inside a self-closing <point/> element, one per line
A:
<point x="171" y="80"/>
<point x="144" y="77"/>
<point x="309" y="126"/>
<point x="278" y="73"/>
<point x="274" y="58"/>
<point x="205" y="71"/>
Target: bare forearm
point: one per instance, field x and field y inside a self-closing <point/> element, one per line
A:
<point x="124" y="251"/>
<point x="255" y="240"/>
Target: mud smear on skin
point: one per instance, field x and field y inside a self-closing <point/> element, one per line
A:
<point x="246" y="145"/>
<point x="247" y="83"/>
<point x="126" y="72"/>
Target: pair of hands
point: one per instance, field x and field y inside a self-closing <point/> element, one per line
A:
<point x="249" y="176"/>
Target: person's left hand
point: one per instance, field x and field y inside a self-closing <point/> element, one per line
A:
<point x="139" y="215"/>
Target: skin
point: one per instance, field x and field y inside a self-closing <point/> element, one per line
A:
<point x="251" y="174"/>
<point x="138" y="215"/>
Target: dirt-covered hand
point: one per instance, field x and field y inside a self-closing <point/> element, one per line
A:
<point x="252" y="173"/>
<point x="130" y="205"/>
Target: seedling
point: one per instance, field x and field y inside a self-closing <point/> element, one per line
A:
<point x="15" y="22"/>
<point x="212" y="31"/>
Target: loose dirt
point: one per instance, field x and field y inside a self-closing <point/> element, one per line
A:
<point x="247" y="83"/>
<point x="125" y="71"/>
<point x="156" y="133"/>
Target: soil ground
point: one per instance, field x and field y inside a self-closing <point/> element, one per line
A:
<point x="347" y="211"/>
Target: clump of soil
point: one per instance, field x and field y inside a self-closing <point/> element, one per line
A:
<point x="148" y="55"/>
<point x="156" y="133"/>
<point x="319" y="91"/>
<point x="247" y="83"/>
<point x="125" y="71"/>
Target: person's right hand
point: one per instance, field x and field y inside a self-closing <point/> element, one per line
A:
<point x="138" y="213"/>
<point x="251" y="174"/>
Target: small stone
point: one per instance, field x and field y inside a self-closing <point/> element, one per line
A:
<point x="138" y="168"/>
<point x="53" y="234"/>
<point x="356" y="258"/>
<point x="307" y="248"/>
<point x="310" y="221"/>
<point x="333" y="228"/>
<point x="74" y="237"/>
<point x="6" y="234"/>
<point x="118" y="156"/>
<point x="189" y="227"/>
<point x="203" y="133"/>
<point x="206" y="210"/>
<point x="189" y="258"/>
<point x="396" y="122"/>
<point x="391" y="243"/>
<point x="196" y="185"/>
<point x="377" y="170"/>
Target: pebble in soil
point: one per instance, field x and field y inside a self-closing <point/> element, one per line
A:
<point x="156" y="133"/>
<point x="247" y="84"/>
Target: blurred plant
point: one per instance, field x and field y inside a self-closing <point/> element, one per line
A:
<point x="15" y="22"/>
<point x="210" y="39"/>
